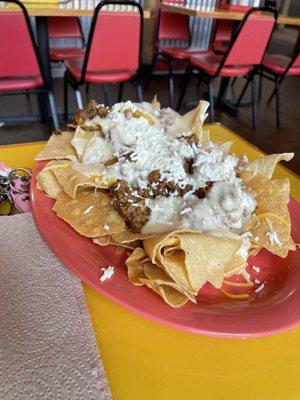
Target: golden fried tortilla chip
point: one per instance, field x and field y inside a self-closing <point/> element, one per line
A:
<point x="135" y="267"/>
<point x="265" y="166"/>
<point x="155" y="103"/>
<point x="126" y="236"/>
<point x="142" y="271"/>
<point x="191" y="121"/>
<point x="80" y="140"/>
<point x="58" y="147"/>
<point x="170" y="295"/>
<point x="226" y="147"/>
<point x="47" y="181"/>
<point x="97" y="150"/>
<point x="197" y="261"/>
<point x="71" y="179"/>
<point x="91" y="213"/>
<point x="271" y="226"/>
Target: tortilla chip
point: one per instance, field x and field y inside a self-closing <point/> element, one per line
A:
<point x="170" y="295"/>
<point x="226" y="147"/>
<point x="197" y="261"/>
<point x="155" y="103"/>
<point x="90" y="214"/>
<point x="107" y="240"/>
<point x="135" y="267"/>
<point x="126" y="236"/>
<point x="161" y="278"/>
<point x="191" y="121"/>
<point x="58" y="147"/>
<point x="272" y="215"/>
<point x="97" y="150"/>
<point x="102" y="240"/>
<point x="265" y="166"/>
<point x="47" y="181"/>
<point x="80" y="140"/>
<point x="71" y="179"/>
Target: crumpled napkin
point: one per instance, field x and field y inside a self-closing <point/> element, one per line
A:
<point x="48" y="348"/>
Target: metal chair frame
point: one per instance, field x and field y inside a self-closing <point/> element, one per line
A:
<point x="39" y="91"/>
<point x="208" y="79"/>
<point x="69" y="79"/>
<point x="166" y="59"/>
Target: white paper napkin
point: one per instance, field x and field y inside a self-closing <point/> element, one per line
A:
<point x="47" y="345"/>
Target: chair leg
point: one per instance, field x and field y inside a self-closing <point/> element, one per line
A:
<point x="260" y="87"/>
<point x="148" y="79"/>
<point x="53" y="110"/>
<point x="277" y="88"/>
<point x="199" y="80"/>
<point x="121" y="87"/>
<point x="87" y="89"/>
<point x="242" y="93"/>
<point x="253" y="101"/>
<point x="171" y="85"/>
<point x="105" y="94"/>
<point x="184" y="76"/>
<point x="27" y="95"/>
<point x="211" y="101"/>
<point x="184" y="86"/>
<point x="78" y="98"/>
<point x="271" y="97"/>
<point x="139" y="93"/>
<point x="65" y="97"/>
<point x="233" y="82"/>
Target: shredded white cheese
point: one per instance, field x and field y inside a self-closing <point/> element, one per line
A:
<point x="107" y="273"/>
<point x="273" y="238"/>
<point x="259" y="288"/>
<point x="106" y="227"/>
<point x="256" y="268"/>
<point x="87" y="210"/>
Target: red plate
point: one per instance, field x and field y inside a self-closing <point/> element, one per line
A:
<point x="273" y="309"/>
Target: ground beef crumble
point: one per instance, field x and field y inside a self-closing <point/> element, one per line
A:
<point x="90" y="111"/>
<point x="130" y="205"/>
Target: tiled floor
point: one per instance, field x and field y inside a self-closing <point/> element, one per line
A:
<point x="266" y="137"/>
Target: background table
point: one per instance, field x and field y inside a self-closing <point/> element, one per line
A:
<point x="144" y="360"/>
<point x="221" y="14"/>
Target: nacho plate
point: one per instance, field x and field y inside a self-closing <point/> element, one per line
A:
<point x="274" y="309"/>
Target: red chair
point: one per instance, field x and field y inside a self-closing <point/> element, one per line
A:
<point x="275" y="67"/>
<point x="172" y="26"/>
<point x="65" y="28"/>
<point x="20" y="66"/>
<point x="247" y="48"/>
<point x="113" y="51"/>
<point x="222" y="36"/>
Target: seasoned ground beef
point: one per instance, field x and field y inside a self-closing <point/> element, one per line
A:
<point x="201" y="192"/>
<point x="158" y="187"/>
<point x="90" y="111"/>
<point x="191" y="139"/>
<point x="188" y="165"/>
<point x="130" y="206"/>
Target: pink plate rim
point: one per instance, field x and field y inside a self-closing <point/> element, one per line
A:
<point x="274" y="313"/>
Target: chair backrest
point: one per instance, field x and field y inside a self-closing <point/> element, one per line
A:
<point x="252" y="37"/>
<point x="173" y="26"/>
<point x="223" y="30"/>
<point x="115" y="38"/>
<point x="296" y="60"/>
<point x="19" y="53"/>
<point x="64" y="28"/>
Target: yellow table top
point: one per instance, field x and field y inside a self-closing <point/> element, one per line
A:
<point x="144" y="360"/>
<point x="221" y="14"/>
